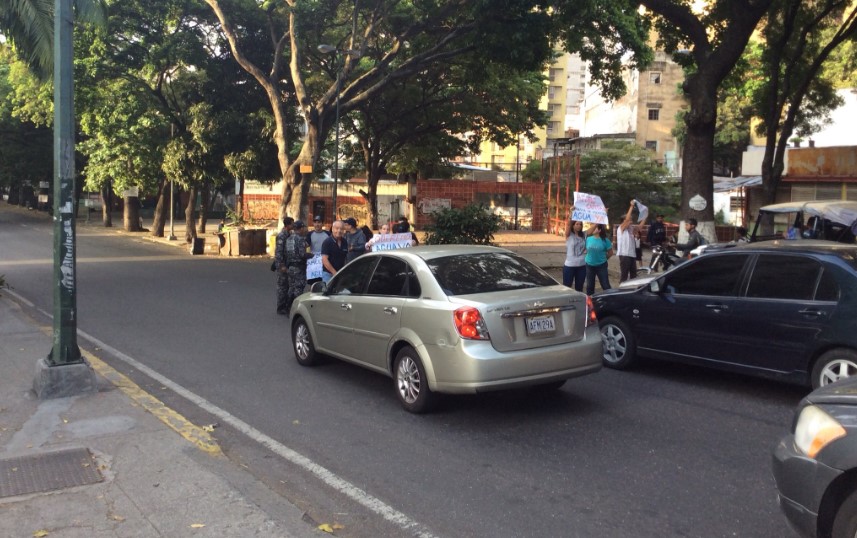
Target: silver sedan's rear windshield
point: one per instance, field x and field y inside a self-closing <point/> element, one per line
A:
<point x="465" y="274"/>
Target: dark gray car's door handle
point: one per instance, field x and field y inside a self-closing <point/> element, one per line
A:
<point x="812" y="312"/>
<point x="717" y="306"/>
<point x="345" y="306"/>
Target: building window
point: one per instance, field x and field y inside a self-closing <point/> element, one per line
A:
<point x="555" y="73"/>
<point x="655" y="77"/>
<point x="553" y="127"/>
<point x="654" y="114"/>
<point x="652" y="145"/>
<point x="552" y="91"/>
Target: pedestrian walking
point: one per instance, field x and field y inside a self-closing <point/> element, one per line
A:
<point x="281" y="267"/>
<point x="297" y="253"/>
<point x="574" y="268"/>
<point x="626" y="248"/>
<point x="598" y="250"/>
<point x="638" y="246"/>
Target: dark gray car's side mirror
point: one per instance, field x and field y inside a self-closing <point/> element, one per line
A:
<point x="655" y="286"/>
<point x="318" y="287"/>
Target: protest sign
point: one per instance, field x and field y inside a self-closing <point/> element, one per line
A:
<point x="313" y="267"/>
<point x="391" y="241"/>
<point x="644" y="212"/>
<point x="589" y="208"/>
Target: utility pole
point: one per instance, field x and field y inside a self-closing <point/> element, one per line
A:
<point x="64" y="372"/>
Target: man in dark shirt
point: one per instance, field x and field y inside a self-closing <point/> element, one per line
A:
<point x="355" y="239"/>
<point x="333" y="252"/>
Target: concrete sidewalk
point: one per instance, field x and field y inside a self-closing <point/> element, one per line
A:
<point x="107" y="464"/>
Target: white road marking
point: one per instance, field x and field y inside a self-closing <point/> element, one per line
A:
<point x="341" y="485"/>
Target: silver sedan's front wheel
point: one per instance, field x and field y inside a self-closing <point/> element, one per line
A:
<point x="302" y="342"/>
<point x="411" y="384"/>
<point x="619" y="349"/>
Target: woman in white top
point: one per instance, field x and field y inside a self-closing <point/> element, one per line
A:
<point x="385" y="229"/>
<point x="574" y="268"/>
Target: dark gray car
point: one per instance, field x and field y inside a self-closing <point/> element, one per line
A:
<point x="815" y="466"/>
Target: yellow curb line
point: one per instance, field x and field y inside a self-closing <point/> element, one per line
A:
<point x="177" y="422"/>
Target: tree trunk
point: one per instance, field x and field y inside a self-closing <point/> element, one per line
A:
<point x="160" y="217"/>
<point x="296" y="185"/>
<point x="697" y="182"/>
<point x="203" y="207"/>
<point x="239" y="200"/>
<point x="190" y="229"/>
<point x="107" y="204"/>
<point x="131" y="214"/>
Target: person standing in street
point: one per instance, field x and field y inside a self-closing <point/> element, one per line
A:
<point x="626" y="248"/>
<point x="282" y="268"/>
<point x="574" y="268"/>
<point x="355" y="238"/>
<point x="333" y="252"/>
<point x="315" y="239"/>
<point x="657" y="236"/>
<point x="598" y="249"/>
<point x="297" y="253"/>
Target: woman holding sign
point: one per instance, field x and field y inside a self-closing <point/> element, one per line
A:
<point x="598" y="249"/>
<point x="574" y="268"/>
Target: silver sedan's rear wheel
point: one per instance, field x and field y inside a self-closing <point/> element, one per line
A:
<point x="411" y="384"/>
<point x="834" y="365"/>
<point x="302" y="342"/>
<point x="619" y="346"/>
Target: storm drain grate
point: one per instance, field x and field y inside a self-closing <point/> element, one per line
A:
<point x="47" y="471"/>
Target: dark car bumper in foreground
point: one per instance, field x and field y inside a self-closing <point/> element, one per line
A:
<point x="802" y="482"/>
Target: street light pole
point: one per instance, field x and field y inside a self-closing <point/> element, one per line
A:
<point x="336" y="151"/>
<point x="172" y="236"/>
<point x="517" y="173"/>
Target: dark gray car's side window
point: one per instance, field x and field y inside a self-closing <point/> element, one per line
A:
<point x="708" y="275"/>
<point x="393" y="277"/>
<point x="784" y="277"/>
<point x="352" y="278"/>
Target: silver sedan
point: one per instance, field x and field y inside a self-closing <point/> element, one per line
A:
<point x="449" y="319"/>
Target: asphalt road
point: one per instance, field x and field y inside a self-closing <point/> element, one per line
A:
<point x="664" y="450"/>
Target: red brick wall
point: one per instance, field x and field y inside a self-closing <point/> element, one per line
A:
<point x="461" y="193"/>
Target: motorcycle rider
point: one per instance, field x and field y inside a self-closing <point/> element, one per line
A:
<point x="694" y="238"/>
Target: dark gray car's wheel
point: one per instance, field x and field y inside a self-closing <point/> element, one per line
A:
<point x="845" y="522"/>
<point x="834" y="365"/>
<point x="412" y="387"/>
<point x="619" y="347"/>
<point x="302" y="342"/>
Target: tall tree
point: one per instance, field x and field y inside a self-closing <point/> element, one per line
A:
<point x="428" y="111"/>
<point x="709" y="39"/>
<point x="800" y="38"/>
<point x="29" y="26"/>
<point x="377" y="44"/>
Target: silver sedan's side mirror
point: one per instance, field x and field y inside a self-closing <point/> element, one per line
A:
<point x="318" y="287"/>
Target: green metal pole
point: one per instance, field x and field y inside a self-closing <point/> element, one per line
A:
<point x="65" y="349"/>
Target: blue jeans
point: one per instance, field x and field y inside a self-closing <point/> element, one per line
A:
<point x="574" y="275"/>
<point x="599" y="271"/>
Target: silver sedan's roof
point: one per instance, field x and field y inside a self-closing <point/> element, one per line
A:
<point x="439" y="251"/>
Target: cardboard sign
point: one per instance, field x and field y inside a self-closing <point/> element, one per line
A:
<point x="589" y="208"/>
<point x="313" y="267"/>
<point x="391" y="241"/>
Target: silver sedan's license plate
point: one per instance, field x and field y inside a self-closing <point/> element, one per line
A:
<point x="540" y="324"/>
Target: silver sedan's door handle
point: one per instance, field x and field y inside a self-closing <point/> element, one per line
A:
<point x="345" y="306"/>
<point x="390" y="309"/>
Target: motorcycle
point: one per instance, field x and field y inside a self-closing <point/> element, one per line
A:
<point x="662" y="255"/>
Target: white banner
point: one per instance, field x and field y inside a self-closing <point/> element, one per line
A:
<point x="313" y="267"/>
<point x="644" y="212"/>
<point x="391" y="241"/>
<point x="589" y="208"/>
